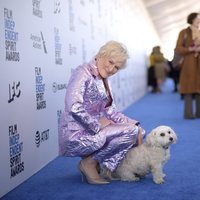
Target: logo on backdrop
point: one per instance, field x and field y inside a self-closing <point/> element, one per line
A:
<point x="11" y="37"/>
<point x="43" y="43"/>
<point x="58" y="47"/>
<point x="41" y="137"/>
<point x="91" y="27"/>
<point x="82" y="22"/>
<point x="84" y="53"/>
<point x="40" y="89"/>
<point x="16" y="149"/>
<point x="59" y="113"/>
<point x="56" y="87"/>
<point x="14" y="91"/>
<point x="99" y="8"/>
<point x="57" y="6"/>
<point x="72" y="49"/>
<point x="36" y="8"/>
<point x="39" y="42"/>
<point x="82" y="2"/>
<point x="71" y="16"/>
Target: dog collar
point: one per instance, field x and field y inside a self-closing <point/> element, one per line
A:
<point x="165" y="147"/>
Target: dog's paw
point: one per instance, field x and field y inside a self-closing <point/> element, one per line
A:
<point x="107" y="174"/>
<point x="159" y="180"/>
<point x="163" y="175"/>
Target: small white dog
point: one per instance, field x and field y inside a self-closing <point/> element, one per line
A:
<point x="148" y="157"/>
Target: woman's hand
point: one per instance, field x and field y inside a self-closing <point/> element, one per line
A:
<point x="105" y="122"/>
<point x="192" y="48"/>
<point x="197" y="49"/>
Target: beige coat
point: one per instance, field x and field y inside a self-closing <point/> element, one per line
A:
<point x="190" y="68"/>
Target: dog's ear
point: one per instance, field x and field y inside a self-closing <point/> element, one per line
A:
<point x="174" y="136"/>
<point x="150" y="138"/>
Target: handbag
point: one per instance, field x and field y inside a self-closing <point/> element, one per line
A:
<point x="178" y="58"/>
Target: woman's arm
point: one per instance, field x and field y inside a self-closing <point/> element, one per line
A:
<point x="182" y="46"/>
<point x="116" y="116"/>
<point x="79" y="83"/>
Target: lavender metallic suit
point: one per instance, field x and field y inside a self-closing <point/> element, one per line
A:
<point x="80" y="132"/>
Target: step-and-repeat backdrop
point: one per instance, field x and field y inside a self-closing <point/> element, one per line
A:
<point x="41" y="42"/>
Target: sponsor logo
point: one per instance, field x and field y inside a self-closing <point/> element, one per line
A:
<point x="84" y="53"/>
<point x="58" y="47"/>
<point x="39" y="42"/>
<point x="72" y="50"/>
<point x="14" y="91"/>
<point x="99" y="8"/>
<point x="43" y="43"/>
<point x="82" y="22"/>
<point x="71" y="16"/>
<point x="57" y="7"/>
<point x="91" y="27"/>
<point x="40" y="89"/>
<point x="11" y="37"/>
<point x="56" y="87"/>
<point x="82" y="2"/>
<point x="16" y="151"/>
<point x="41" y="137"/>
<point x="59" y="113"/>
<point x="36" y="8"/>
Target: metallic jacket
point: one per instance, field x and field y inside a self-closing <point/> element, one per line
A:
<point x="80" y="133"/>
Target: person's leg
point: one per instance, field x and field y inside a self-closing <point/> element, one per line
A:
<point x="120" y="138"/>
<point x="88" y="167"/>
<point x="84" y="144"/>
<point x="188" y="106"/>
<point x="175" y="84"/>
<point x="198" y="105"/>
<point x="154" y="81"/>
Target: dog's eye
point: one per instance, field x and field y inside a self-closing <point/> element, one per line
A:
<point x="162" y="134"/>
<point x="169" y="132"/>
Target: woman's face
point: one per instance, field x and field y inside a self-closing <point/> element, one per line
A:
<point x="196" y="21"/>
<point x="108" y="66"/>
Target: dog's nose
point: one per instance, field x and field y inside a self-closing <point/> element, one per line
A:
<point x="171" y="138"/>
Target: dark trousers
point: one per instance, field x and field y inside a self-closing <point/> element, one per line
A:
<point x="151" y="78"/>
<point x="188" y="106"/>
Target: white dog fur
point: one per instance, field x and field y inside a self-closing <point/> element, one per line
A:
<point x="148" y="157"/>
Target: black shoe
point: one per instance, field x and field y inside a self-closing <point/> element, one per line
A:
<point x="189" y="117"/>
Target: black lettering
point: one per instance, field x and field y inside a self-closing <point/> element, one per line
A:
<point x="41" y="105"/>
<point x="17" y="169"/>
<point x="12" y="56"/>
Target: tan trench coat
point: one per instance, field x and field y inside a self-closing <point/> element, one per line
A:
<point x="190" y="68"/>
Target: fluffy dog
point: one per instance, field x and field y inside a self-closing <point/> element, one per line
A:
<point x="148" y="157"/>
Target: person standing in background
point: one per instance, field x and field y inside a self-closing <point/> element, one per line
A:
<point x="151" y="74"/>
<point x="190" y="67"/>
<point x="160" y="67"/>
<point x="174" y="74"/>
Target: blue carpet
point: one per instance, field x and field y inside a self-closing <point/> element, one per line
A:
<point x="60" y="179"/>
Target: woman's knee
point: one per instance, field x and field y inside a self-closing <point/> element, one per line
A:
<point x="131" y="128"/>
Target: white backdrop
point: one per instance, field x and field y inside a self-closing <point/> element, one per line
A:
<point x="41" y="42"/>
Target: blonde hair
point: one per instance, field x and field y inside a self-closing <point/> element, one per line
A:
<point x="115" y="50"/>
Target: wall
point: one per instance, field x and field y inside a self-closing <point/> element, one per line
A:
<point x="42" y="41"/>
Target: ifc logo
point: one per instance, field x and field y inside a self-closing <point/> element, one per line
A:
<point x="54" y="87"/>
<point x="37" y="139"/>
